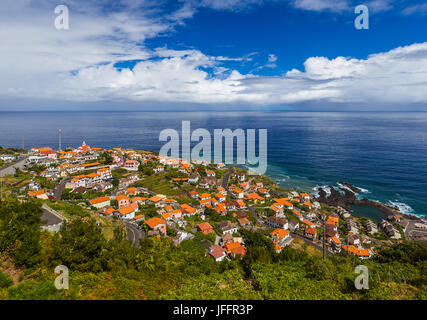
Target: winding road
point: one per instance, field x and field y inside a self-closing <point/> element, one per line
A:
<point x="11" y="168"/>
<point x="133" y="233"/>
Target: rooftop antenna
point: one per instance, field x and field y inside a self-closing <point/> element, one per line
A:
<point x="60" y="138"/>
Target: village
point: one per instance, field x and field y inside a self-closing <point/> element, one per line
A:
<point x="157" y="196"/>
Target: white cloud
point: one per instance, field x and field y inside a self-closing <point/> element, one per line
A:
<point x="322" y="5"/>
<point x="380" y="5"/>
<point x="40" y="62"/>
<point x="420" y="8"/>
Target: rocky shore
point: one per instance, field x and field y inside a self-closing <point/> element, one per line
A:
<point x="346" y="195"/>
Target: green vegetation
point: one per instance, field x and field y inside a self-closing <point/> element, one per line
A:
<point x="113" y="268"/>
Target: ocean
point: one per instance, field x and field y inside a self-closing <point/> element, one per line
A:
<point x="383" y="153"/>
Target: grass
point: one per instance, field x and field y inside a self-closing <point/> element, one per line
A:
<point x="160" y="184"/>
<point x="299" y="244"/>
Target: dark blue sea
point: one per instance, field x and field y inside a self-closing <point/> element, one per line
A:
<point x="385" y="154"/>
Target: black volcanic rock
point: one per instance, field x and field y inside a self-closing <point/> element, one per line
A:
<point x="336" y="198"/>
<point x="351" y="187"/>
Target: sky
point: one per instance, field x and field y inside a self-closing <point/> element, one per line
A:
<point x="229" y="54"/>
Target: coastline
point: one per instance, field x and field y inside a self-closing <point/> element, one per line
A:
<point x="348" y="196"/>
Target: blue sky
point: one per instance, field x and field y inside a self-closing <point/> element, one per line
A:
<point x="125" y="54"/>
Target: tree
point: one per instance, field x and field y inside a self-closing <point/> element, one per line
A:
<point x="20" y="231"/>
<point x="80" y="245"/>
<point x="108" y="159"/>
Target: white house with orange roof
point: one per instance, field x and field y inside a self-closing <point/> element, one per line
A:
<point x="105" y="173"/>
<point x="131" y="165"/>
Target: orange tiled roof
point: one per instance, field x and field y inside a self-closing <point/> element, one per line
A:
<point x="153" y="222"/>
<point x="99" y="200"/>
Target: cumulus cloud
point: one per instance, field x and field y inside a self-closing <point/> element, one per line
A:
<point x="40" y="62"/>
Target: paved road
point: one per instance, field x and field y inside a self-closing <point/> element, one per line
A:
<point x="254" y="214"/>
<point x="10" y="169"/>
<point x="134" y="234"/>
<point x="50" y="216"/>
<point x="226" y="177"/>
<point x="60" y="188"/>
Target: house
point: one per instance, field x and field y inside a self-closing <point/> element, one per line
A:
<point x="205" y="228"/>
<point x="390" y="230"/>
<point x="227" y="227"/>
<point x="277" y="223"/>
<point x="181" y="236"/>
<point x="310" y="233"/>
<point x="159" y="169"/>
<point x="204" y="196"/>
<point x="93" y="179"/>
<point x="283" y="203"/>
<point x="127" y="212"/>
<point x="240" y="176"/>
<point x="264" y="192"/>
<point x="255" y="197"/>
<point x="238" y="193"/>
<point x="100" y="202"/>
<point x="217" y="253"/>
<point x="80" y="190"/>
<point x="157" y="224"/>
<point x="220" y="165"/>
<point x="131" y="165"/>
<point x="210" y="173"/>
<point x="371" y="227"/>
<point x="276" y="210"/>
<point x="139" y="217"/>
<point x="194" y="194"/>
<point x="39" y="194"/>
<point x="193" y="178"/>
<point x="279" y="237"/>
<point x="293" y="225"/>
<point x="333" y="220"/>
<point x="187" y="210"/>
<point x="361" y="253"/>
<point x="123" y="201"/>
<point x="207" y="182"/>
<point x="331" y="230"/>
<point x="50" y="154"/>
<point x="244" y="222"/>
<point x="226" y="238"/>
<point x="176" y="214"/>
<point x="220" y="197"/>
<point x="240" y="204"/>
<point x="335" y="243"/>
<point x="131" y="191"/>
<point x="352" y="226"/>
<point x="353" y="239"/>
<point x="235" y="249"/>
<point x="305" y="196"/>
<point x="231" y="205"/>
<point x="7" y="157"/>
<point x="105" y="173"/>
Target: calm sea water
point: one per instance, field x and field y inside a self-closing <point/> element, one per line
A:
<point x="383" y="153"/>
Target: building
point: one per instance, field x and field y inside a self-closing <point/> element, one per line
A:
<point x="293" y="225"/>
<point x="371" y="227"/>
<point x="122" y="201"/>
<point x="227" y="227"/>
<point x="105" y="173"/>
<point x="205" y="228"/>
<point x="131" y="165"/>
<point x="310" y="233"/>
<point x="277" y="223"/>
<point x="217" y="253"/>
<point x="100" y="202"/>
<point x="157" y="224"/>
